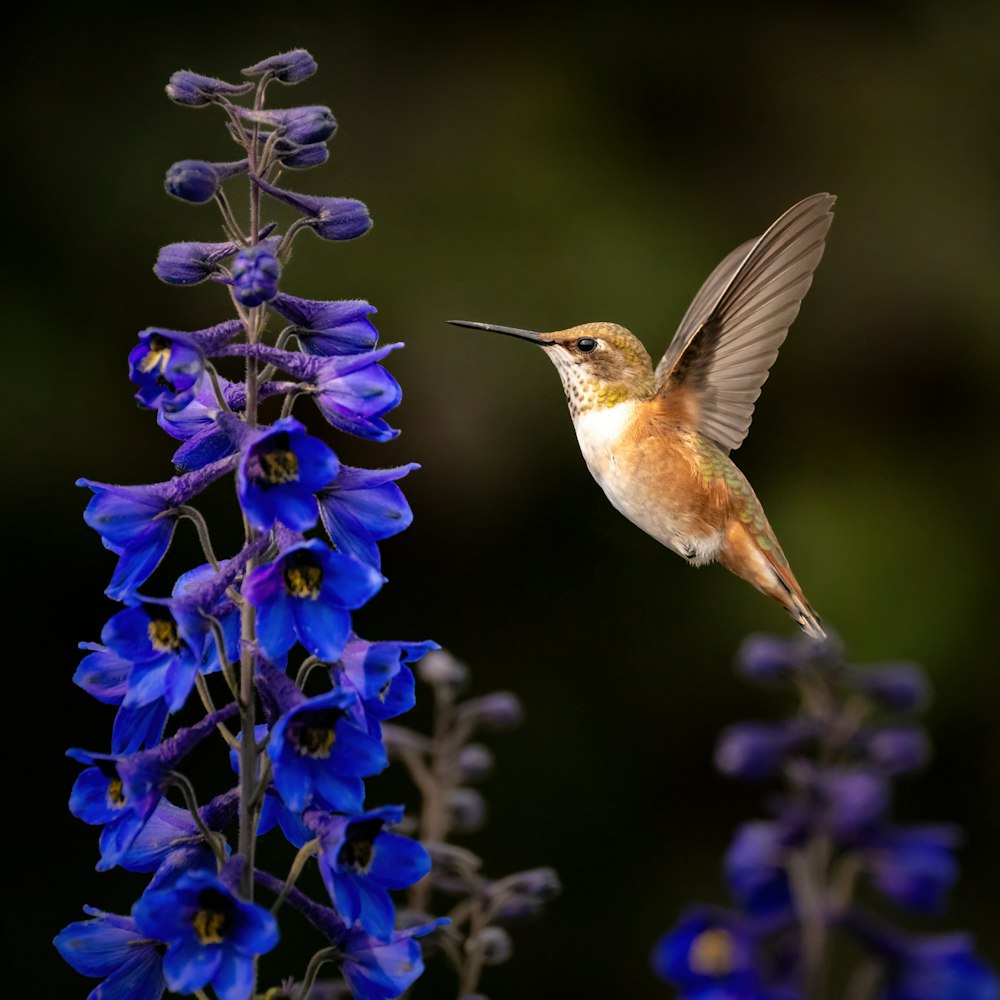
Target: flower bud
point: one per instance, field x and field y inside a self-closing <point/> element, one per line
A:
<point x="493" y="944"/>
<point x="540" y="883"/>
<point x="192" y="180"/>
<point x="331" y="218"/>
<point x="901" y="687"/>
<point x="897" y="749"/>
<point x="769" y="658"/>
<point x="756" y="750"/>
<point x="287" y="67"/>
<point x="440" y="667"/>
<point x="195" y="90"/>
<point x="255" y="275"/>
<point x="475" y="762"/>
<point x="467" y="810"/>
<point x="304" y="157"/>
<point x="301" y="126"/>
<point x="191" y="263"/>
<point x="497" y="712"/>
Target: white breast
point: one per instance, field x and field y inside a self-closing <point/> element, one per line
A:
<point x="599" y="430"/>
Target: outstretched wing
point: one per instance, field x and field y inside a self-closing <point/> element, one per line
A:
<point x="729" y="337"/>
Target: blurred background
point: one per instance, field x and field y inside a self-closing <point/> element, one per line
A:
<point x="543" y="167"/>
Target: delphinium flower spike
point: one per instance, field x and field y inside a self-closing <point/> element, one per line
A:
<point x="263" y="635"/>
<point x="794" y="877"/>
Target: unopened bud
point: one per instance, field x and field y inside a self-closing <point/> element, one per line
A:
<point x="441" y="668"/>
<point x="475" y="762"/>
<point x="467" y="810"/>
<point x="497" y="711"/>
<point x="493" y="944"/>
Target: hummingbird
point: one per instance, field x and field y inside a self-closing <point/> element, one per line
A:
<point x="658" y="440"/>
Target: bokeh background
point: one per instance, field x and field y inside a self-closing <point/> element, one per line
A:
<point x="543" y="166"/>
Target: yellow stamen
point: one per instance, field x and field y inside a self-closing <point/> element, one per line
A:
<point x="713" y="953"/>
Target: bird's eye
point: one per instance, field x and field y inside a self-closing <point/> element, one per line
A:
<point x="586" y="344"/>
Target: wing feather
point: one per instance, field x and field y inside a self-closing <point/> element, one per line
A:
<point x="729" y="337"/>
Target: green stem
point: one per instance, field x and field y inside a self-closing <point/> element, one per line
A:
<point x="306" y="851"/>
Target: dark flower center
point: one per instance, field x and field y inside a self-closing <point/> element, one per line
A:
<point x="162" y="632"/>
<point x="314" y="734"/>
<point x="303" y="576"/>
<point x="713" y="953"/>
<point x="211" y="921"/>
<point x="273" y="462"/>
<point x="358" y="848"/>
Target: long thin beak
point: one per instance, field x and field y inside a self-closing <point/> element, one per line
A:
<point x="510" y="331"/>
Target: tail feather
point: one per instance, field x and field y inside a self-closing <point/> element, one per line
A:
<point x="769" y="572"/>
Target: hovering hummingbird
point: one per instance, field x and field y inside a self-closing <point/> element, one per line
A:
<point x="658" y="442"/>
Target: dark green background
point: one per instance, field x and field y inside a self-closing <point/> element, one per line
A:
<point x="544" y="167"/>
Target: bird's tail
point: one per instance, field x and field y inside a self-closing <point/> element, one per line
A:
<point x="768" y="570"/>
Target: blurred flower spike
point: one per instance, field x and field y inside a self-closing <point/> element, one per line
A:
<point x="797" y="877"/>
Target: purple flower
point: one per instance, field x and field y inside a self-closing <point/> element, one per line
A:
<point x="137" y="522"/>
<point x="360" y="860"/>
<point x="317" y="750"/>
<point x="709" y="954"/>
<point x="104" y="675"/>
<point x="896" y="749"/>
<point x="754" y="869"/>
<point x="756" y="750"/>
<point x="900" y="687"/>
<point x="164" y="654"/>
<point x="280" y="473"/>
<point x="914" y="866"/>
<point x="769" y="658"/>
<point x="196" y="90"/>
<point x="939" y="968"/>
<point x="121" y="792"/>
<point x="112" y="948"/>
<point x="166" y="368"/>
<point x="306" y="593"/>
<point x="328" y="328"/>
<point x="212" y="936"/>
<point x="353" y="392"/>
<point x="378" y="970"/>
<point x="332" y="218"/>
<point x="851" y="802"/>
<point x="288" y="67"/>
<point x="255" y="273"/>
<point x="361" y="507"/>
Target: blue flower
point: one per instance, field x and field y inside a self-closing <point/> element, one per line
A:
<point x="112" y="948"/>
<point x="306" y="593"/>
<point x="371" y="666"/>
<point x="915" y="866"/>
<point x="378" y="970"/>
<point x="708" y="956"/>
<point x="900" y="687"/>
<point x="167" y="365"/>
<point x="353" y="392"/>
<point x="328" y="328"/>
<point x="121" y="792"/>
<point x="104" y="675"/>
<point x="211" y="935"/>
<point x="255" y="275"/>
<point x="940" y="968"/>
<point x="850" y="802"/>
<point x="164" y="654"/>
<point x="166" y="368"/>
<point x="280" y="473"/>
<point x="756" y="750"/>
<point x="754" y="870"/>
<point x="316" y="750"/>
<point x="361" y="507"/>
<point x="360" y="860"/>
